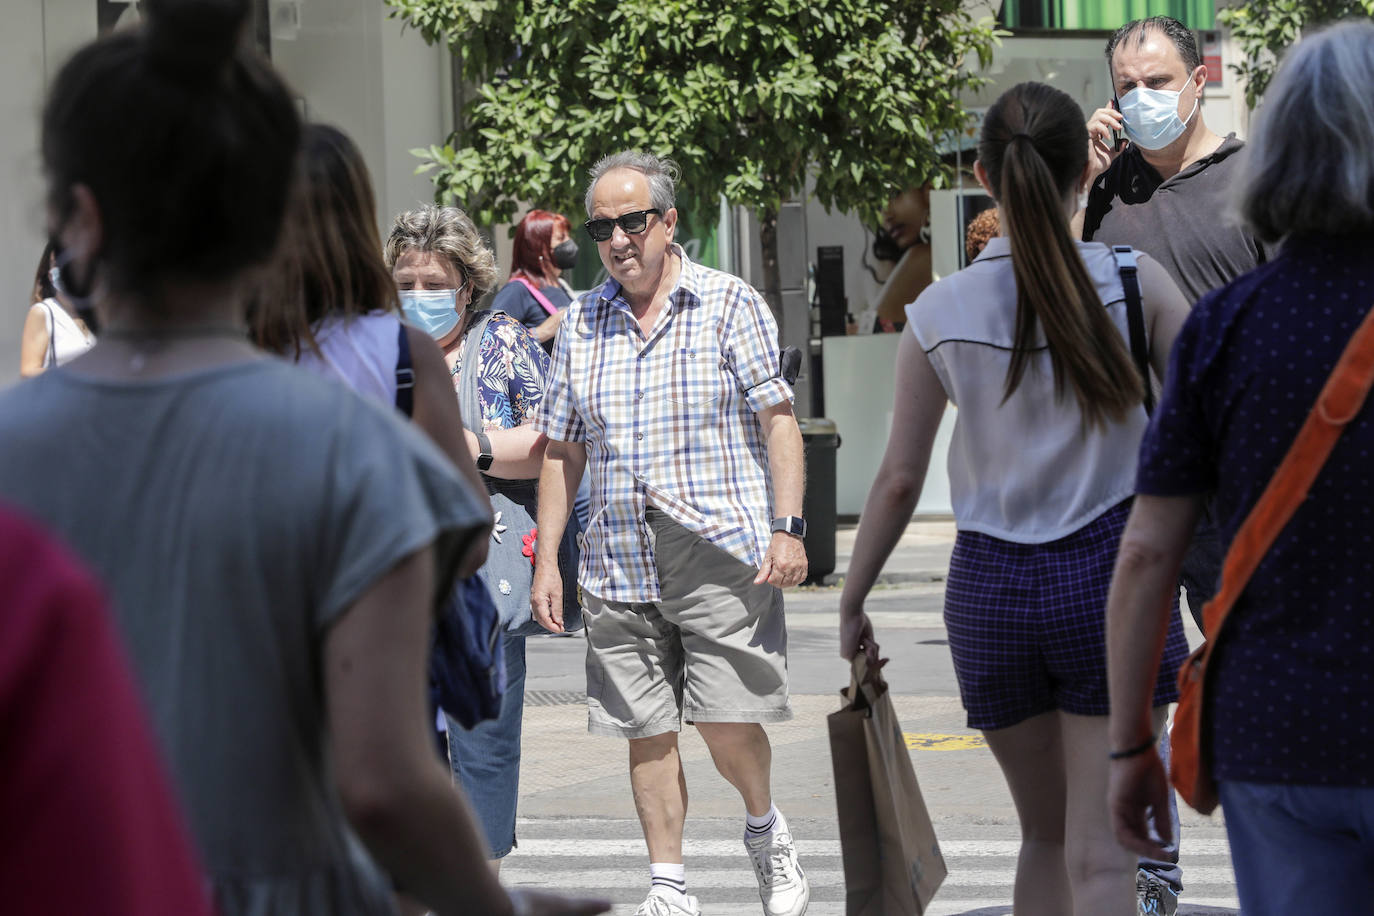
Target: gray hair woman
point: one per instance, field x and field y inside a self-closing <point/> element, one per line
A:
<point x="441" y="265"/>
<point x="1290" y="690"/>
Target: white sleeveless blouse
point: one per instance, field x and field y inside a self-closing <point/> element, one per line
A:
<point x="67" y="339"/>
<point x="1027" y="470"/>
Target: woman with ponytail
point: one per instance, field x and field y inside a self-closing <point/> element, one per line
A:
<point x="1030" y="342"/>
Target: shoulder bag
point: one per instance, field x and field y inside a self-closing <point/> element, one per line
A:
<point x="1135" y="319"/>
<point x="1340" y="400"/>
<point x="509" y="570"/>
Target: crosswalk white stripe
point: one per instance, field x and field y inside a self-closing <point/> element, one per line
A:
<point x="545" y="847"/>
<point x="940" y="906"/>
<point x="531" y="872"/>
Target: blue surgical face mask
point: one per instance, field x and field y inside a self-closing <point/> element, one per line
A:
<point x="1151" y="118"/>
<point x="434" y="311"/>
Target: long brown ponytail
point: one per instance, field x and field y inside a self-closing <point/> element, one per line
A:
<point x="1034" y="146"/>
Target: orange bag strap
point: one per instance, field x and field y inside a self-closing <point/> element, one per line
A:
<point x="1340" y="400"/>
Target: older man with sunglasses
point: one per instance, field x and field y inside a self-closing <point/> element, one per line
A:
<point x="665" y="382"/>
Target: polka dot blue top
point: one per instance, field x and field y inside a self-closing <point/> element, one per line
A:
<point x="1292" y="696"/>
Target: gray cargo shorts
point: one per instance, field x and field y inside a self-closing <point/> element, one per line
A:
<point x="712" y="649"/>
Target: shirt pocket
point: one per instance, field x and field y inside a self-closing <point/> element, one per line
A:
<point x="696" y="384"/>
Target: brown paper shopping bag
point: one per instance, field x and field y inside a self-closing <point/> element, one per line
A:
<point x="892" y="861"/>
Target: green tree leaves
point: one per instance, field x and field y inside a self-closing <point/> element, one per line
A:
<point x="749" y="96"/>
<point x="1265" y="28"/>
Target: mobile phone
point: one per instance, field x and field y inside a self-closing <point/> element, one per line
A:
<point x="1118" y="138"/>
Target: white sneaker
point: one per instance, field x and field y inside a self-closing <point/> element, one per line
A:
<point x="782" y="883"/>
<point x="668" y="904"/>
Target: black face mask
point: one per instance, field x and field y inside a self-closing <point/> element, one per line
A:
<point x="565" y="255"/>
<point x="885" y="247"/>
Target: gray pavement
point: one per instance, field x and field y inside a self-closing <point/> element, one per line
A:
<point x="577" y="822"/>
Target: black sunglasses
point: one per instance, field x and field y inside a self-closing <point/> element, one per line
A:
<point x="634" y="223"/>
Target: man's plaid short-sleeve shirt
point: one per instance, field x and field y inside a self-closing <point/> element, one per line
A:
<point x="668" y="421"/>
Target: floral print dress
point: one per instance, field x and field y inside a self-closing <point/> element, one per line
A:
<point x="510" y="382"/>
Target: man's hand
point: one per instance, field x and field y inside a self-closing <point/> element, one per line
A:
<point x="546" y="596"/>
<point x="784" y="565"/>
<point x="1135" y="784"/>
<point x="1102" y="151"/>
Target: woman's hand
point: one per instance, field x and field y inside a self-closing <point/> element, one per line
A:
<point x="1138" y="795"/>
<point x="856" y="634"/>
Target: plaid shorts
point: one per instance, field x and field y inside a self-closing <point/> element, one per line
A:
<point x="1027" y="624"/>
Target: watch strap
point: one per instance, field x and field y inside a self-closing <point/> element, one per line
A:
<point x="484" y="456"/>
<point x="790" y="524"/>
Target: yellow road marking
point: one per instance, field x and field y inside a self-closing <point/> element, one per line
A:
<point x="930" y="742"/>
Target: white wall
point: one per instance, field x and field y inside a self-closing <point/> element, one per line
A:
<point x="354" y="67"/>
<point x="361" y="72"/>
<point x="860" y="372"/>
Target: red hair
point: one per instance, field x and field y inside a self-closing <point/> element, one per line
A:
<point x="532" y="257"/>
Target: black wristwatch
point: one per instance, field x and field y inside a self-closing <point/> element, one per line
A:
<point x="792" y="524"/>
<point x="484" y="457"/>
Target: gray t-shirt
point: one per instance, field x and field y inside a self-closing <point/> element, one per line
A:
<point x="1183" y="222"/>
<point x="234" y="514"/>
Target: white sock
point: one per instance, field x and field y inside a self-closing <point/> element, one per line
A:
<point x="768" y="822"/>
<point x="668" y="878"/>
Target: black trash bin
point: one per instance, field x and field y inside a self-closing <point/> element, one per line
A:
<point x="820" y="439"/>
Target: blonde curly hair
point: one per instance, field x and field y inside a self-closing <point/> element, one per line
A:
<point x="446" y="231"/>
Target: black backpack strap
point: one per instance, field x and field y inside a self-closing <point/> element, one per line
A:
<point x="405" y="375"/>
<point x="1135" y="318"/>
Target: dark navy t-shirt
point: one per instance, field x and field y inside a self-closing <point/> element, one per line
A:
<point x="1292" y="694"/>
<point x="517" y="301"/>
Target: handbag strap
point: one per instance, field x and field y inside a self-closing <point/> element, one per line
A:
<point x="51" y="355"/>
<point x="1340" y="400"/>
<point x="1135" y="318"/>
<point x="468" y="400"/>
<point x="405" y="374"/>
<point x="538" y="296"/>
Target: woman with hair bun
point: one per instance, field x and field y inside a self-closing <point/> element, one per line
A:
<point x="1030" y="341"/>
<point x="271" y="542"/>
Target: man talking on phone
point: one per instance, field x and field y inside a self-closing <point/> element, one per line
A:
<point x="1163" y="186"/>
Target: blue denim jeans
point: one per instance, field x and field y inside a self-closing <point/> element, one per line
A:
<point x="486" y="758"/>
<point x="1166" y="870"/>
<point x="1300" y="849"/>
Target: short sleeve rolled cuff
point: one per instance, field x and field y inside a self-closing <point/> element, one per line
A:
<point x="557" y="418"/>
<point x="1178" y="455"/>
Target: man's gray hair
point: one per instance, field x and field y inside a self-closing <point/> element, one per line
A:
<point x="1307" y="168"/>
<point x="661" y="172"/>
